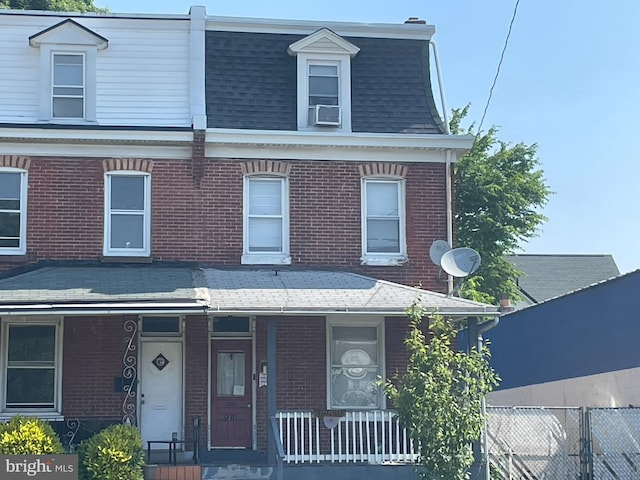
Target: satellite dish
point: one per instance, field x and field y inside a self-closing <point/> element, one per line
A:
<point x="438" y="248"/>
<point x="460" y="262"/>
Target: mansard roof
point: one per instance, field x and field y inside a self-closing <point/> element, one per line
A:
<point x="251" y="83"/>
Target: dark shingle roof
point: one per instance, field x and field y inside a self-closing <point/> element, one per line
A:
<point x="78" y="288"/>
<point x="251" y="83"/>
<point x="548" y="276"/>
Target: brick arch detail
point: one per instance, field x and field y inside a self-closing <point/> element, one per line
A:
<point x="266" y="166"/>
<point x="383" y="169"/>
<point x="15" y="161"/>
<point x="137" y="164"/>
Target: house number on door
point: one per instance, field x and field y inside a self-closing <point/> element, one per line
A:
<point x="230" y="418"/>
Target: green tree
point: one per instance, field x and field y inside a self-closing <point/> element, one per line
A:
<point x="499" y="190"/>
<point x="438" y="398"/>
<point x="82" y="6"/>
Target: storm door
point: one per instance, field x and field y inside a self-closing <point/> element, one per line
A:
<point x="231" y="394"/>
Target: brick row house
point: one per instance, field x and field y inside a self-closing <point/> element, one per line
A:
<point x="218" y="220"/>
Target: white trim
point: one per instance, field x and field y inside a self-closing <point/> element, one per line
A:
<point x="266" y="258"/>
<point x="47" y="51"/>
<point x="316" y="50"/>
<point x="21" y="249"/>
<point x="49" y="413"/>
<point x="197" y="66"/>
<point x="387" y="258"/>
<point x="304" y="27"/>
<point x="365" y="321"/>
<point x="322" y="145"/>
<point x="145" y="251"/>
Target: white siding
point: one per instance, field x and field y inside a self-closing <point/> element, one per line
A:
<point x="142" y="77"/>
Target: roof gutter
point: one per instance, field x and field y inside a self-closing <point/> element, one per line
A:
<point x="102" y="309"/>
<point x="337" y="311"/>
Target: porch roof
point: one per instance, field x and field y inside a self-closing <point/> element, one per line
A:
<point x="63" y="289"/>
<point x="290" y="292"/>
<point x="99" y="289"/>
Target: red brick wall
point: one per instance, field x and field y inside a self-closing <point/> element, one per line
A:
<point x="196" y="376"/>
<point x="201" y="219"/>
<point x="92" y="357"/>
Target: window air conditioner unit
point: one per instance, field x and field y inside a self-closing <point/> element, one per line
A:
<point x="327" y="115"/>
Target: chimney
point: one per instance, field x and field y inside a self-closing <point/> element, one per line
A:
<point x="505" y="304"/>
<point x="415" y="20"/>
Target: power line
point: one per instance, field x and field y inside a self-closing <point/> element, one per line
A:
<point x="495" y="79"/>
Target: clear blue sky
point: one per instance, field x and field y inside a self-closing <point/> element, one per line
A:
<point x="570" y="83"/>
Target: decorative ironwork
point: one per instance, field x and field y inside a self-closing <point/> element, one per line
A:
<point x="160" y="361"/>
<point x="73" y="425"/>
<point x="129" y="372"/>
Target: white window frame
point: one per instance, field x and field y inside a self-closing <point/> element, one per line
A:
<point x="145" y="251"/>
<point x="266" y="258"/>
<point x="343" y="65"/>
<point x="384" y="258"/>
<point x="46" y="413"/>
<point x="21" y="249"/>
<point x="324" y="47"/>
<point x="83" y="86"/>
<point x="366" y="321"/>
<point x="89" y="54"/>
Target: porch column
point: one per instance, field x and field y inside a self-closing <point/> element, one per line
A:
<point x="271" y="386"/>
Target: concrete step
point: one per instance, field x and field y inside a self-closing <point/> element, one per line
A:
<point x="236" y="472"/>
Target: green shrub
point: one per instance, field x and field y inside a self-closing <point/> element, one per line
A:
<point x="28" y="436"/>
<point x="115" y="453"/>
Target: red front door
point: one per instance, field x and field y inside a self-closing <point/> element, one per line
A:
<point x="231" y="393"/>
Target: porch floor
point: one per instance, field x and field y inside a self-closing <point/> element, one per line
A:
<point x="214" y="457"/>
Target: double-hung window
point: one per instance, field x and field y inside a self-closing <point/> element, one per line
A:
<point x="383" y="222"/>
<point x="266" y="220"/>
<point x="68" y="86"/>
<point x="32" y="362"/>
<point x="13" y="211"/>
<point x="355" y="364"/>
<point x="127" y="214"/>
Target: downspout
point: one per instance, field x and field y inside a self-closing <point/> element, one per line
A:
<point x="448" y="157"/>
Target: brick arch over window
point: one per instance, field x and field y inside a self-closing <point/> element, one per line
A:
<point x="135" y="164"/>
<point x="266" y="167"/>
<point x="383" y="169"/>
<point x="15" y="161"/>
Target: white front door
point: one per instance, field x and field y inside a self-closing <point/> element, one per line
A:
<point x="160" y="390"/>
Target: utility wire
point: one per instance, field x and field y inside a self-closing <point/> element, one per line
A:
<point x="495" y="79"/>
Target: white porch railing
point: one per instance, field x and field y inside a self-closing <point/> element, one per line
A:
<point x="360" y="436"/>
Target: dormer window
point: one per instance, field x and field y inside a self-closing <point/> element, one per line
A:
<point x="68" y="86"/>
<point x="324" y="81"/>
<point x="68" y="58"/>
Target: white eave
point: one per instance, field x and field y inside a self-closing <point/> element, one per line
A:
<point x="231" y="143"/>
<point x="307" y="27"/>
<point x="74" y="142"/>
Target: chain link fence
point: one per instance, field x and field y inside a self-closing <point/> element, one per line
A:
<point x="528" y="443"/>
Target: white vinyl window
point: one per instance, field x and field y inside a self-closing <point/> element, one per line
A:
<point x="355" y="364"/>
<point x="127" y="214"/>
<point x="323" y="85"/>
<point x="266" y="221"/>
<point x="13" y="211"/>
<point x="68" y="86"/>
<point x="31" y="368"/>
<point x="383" y="222"/>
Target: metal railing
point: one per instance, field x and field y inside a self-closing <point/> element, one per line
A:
<point x="356" y="437"/>
<point x="279" y="450"/>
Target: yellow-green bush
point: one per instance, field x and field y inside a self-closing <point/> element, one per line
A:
<point x="28" y="436"/>
<point x="115" y="453"/>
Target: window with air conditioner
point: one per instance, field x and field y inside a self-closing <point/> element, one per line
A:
<point x="324" y="81"/>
